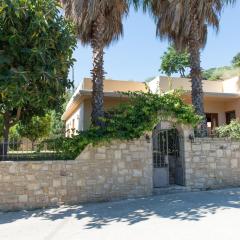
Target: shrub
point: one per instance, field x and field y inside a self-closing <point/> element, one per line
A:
<point x="232" y="130"/>
<point x="131" y="120"/>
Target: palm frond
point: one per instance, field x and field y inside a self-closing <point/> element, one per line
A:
<point x="174" y="18"/>
<point x="85" y="12"/>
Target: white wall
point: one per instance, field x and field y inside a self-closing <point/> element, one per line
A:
<point x="154" y="85"/>
<point x="78" y="118"/>
<point x="232" y="85"/>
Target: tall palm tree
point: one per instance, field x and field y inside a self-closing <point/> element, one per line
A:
<point x="185" y="22"/>
<point x="99" y="23"/>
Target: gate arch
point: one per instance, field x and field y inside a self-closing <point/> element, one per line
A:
<point x="168" y="159"/>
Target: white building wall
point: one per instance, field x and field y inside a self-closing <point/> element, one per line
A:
<point x="76" y="121"/>
<point x="231" y="85"/>
<point x="154" y="85"/>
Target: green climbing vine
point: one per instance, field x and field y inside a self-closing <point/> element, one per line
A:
<point x="132" y="119"/>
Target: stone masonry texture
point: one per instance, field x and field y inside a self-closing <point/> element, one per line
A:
<point x="212" y="163"/>
<point x="112" y="171"/>
<point x="116" y="170"/>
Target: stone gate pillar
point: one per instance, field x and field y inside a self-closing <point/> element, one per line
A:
<point x="187" y="135"/>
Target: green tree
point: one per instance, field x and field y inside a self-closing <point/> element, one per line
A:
<point x="99" y="23"/>
<point x="185" y="22"/>
<point x="236" y="60"/>
<point x="13" y="134"/>
<point x="14" y="137"/>
<point x="36" y="129"/>
<point x="36" y="47"/>
<point x="174" y="62"/>
<point x="58" y="125"/>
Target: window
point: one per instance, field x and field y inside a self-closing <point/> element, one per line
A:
<point x="231" y="115"/>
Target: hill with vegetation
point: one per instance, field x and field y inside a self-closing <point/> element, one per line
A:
<point x="221" y="73"/>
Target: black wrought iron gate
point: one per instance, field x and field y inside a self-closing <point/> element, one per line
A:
<point x="168" y="162"/>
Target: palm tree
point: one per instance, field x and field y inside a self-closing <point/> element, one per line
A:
<point x="98" y="23"/>
<point x="185" y="22"/>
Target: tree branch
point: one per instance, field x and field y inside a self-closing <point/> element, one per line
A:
<point x="14" y="121"/>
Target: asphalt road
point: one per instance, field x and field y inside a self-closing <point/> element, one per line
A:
<point x="212" y="215"/>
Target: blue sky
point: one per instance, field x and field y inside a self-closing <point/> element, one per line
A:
<point x="137" y="55"/>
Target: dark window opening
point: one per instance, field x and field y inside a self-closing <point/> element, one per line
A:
<point x="231" y="115"/>
<point x="212" y="120"/>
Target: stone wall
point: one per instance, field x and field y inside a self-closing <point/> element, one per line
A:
<point x="120" y="169"/>
<point x="212" y="163"/>
<point x="113" y="171"/>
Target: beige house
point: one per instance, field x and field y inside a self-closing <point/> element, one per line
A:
<point x="221" y="99"/>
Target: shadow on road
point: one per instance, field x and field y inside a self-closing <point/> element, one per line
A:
<point x="184" y="206"/>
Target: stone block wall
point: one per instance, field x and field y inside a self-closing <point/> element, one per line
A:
<point x="112" y="171"/>
<point x="212" y="163"/>
<point x="117" y="170"/>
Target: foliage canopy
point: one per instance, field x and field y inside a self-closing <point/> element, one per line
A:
<point x="36" y="47"/>
<point x="37" y="128"/>
<point x="175" y="62"/>
<point x="85" y="15"/>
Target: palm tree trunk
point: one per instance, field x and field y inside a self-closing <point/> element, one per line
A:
<point x="196" y="77"/>
<point x="98" y="71"/>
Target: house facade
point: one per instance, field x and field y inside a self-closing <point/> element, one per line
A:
<point x="221" y="99"/>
